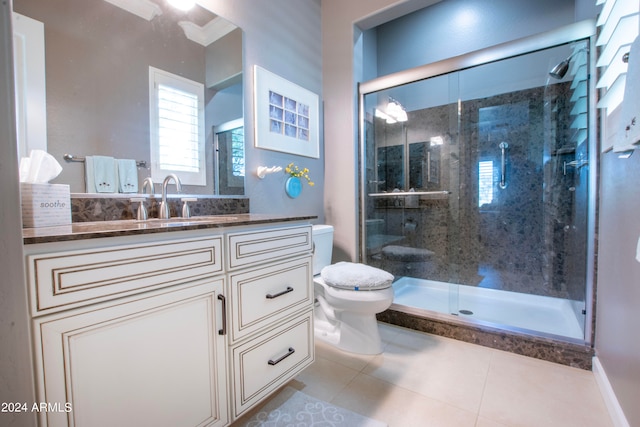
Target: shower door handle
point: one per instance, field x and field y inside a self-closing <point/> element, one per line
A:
<point x="503" y="165"/>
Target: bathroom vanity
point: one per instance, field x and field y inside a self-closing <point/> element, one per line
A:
<point x="168" y="322"/>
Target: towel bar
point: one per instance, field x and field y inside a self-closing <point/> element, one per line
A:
<point x="72" y="158"/>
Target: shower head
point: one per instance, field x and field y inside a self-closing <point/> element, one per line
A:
<point x="559" y="71"/>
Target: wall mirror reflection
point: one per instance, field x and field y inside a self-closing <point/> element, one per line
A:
<point x="134" y="79"/>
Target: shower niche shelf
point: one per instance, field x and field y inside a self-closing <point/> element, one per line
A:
<point x="422" y="194"/>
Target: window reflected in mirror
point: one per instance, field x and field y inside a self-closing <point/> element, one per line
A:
<point x="229" y="149"/>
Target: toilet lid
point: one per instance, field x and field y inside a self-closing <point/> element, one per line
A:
<point x="358" y="277"/>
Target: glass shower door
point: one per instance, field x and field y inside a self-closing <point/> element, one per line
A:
<point x="477" y="200"/>
<point x="410" y="168"/>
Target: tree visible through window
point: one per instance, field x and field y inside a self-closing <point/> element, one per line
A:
<point x="237" y="151"/>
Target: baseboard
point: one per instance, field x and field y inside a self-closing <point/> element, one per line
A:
<point x="614" y="408"/>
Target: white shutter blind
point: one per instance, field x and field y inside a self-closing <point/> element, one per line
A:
<point x="619" y="26"/>
<point x="178" y="129"/>
<point x="485" y="182"/>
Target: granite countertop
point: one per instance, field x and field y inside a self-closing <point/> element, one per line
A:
<point x="97" y="229"/>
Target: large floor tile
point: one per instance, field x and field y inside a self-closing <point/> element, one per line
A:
<point x="451" y="371"/>
<point x="399" y="407"/>
<point x="324" y="379"/>
<point x="522" y="391"/>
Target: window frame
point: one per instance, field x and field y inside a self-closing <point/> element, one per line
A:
<point x="158" y="173"/>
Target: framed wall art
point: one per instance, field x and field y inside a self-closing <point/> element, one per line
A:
<point x="286" y="115"/>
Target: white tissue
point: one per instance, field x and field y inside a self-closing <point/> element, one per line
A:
<point x="39" y="168"/>
<point x="638" y="250"/>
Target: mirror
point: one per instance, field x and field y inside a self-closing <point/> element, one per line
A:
<point x="98" y="54"/>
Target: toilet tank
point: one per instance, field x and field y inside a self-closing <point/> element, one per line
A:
<point x="323" y="246"/>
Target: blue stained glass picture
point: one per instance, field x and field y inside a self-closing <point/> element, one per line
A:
<point x="288" y="116"/>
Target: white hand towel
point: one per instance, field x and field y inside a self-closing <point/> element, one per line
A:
<point x="629" y="136"/>
<point x="89" y="179"/>
<point x="128" y="175"/>
<point x="105" y="174"/>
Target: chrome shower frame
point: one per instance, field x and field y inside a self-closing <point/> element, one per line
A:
<point x="583" y="30"/>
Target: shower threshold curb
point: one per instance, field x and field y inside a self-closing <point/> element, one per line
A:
<point x="552" y="350"/>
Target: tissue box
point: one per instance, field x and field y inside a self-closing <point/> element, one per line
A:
<point x="45" y="205"/>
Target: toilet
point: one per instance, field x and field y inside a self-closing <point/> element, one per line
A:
<point x="348" y="296"/>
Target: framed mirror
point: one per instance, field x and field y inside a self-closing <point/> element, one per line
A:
<point x="98" y="56"/>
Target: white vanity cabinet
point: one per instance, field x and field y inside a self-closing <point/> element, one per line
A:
<point x="128" y="335"/>
<point x="188" y="328"/>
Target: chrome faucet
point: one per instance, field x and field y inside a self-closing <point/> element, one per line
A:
<point x="141" y="213"/>
<point x="164" y="206"/>
<point x="148" y="183"/>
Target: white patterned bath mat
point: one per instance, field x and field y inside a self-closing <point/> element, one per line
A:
<point x="292" y="408"/>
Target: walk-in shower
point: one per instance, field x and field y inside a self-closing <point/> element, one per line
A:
<point x="477" y="189"/>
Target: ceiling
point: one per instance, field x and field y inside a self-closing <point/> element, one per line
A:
<point x="199" y="24"/>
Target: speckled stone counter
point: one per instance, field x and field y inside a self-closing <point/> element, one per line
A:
<point x="111" y="207"/>
<point x="98" y="229"/>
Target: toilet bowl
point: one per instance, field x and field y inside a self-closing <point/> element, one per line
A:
<point x="348" y="296"/>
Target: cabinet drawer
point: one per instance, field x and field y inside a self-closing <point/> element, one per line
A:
<point x="263" y="296"/>
<point x="256" y="246"/>
<point x="261" y="366"/>
<point x="63" y="280"/>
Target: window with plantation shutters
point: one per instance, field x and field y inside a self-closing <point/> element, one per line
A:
<point x="177" y="127"/>
<point x="618" y="23"/>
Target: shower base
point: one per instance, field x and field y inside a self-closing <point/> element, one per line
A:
<point x="542" y="327"/>
<point x="537" y="313"/>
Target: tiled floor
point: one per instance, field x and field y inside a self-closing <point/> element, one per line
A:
<point x="427" y="380"/>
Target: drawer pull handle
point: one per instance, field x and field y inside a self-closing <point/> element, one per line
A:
<point x="223" y="331"/>
<point x="279" y="294"/>
<point x="289" y="353"/>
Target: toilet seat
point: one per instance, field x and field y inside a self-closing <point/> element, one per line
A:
<point x="354" y="296"/>
<point x="356" y="277"/>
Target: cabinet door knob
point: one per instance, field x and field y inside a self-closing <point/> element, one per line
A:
<point x="289" y="353"/>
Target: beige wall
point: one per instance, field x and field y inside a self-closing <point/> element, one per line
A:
<point x="618" y="293"/>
